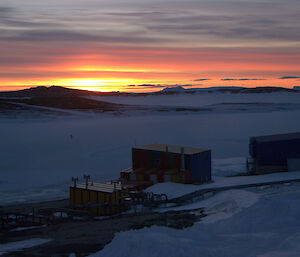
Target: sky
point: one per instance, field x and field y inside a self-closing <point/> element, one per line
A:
<point x="142" y="46"/>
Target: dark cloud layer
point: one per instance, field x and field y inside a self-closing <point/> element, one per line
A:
<point x="201" y="79"/>
<point x="290" y="77"/>
<point x="146" y="86"/>
<point x="65" y="35"/>
<point x="4" y="9"/>
<point x="159" y="86"/>
<point x="242" y="79"/>
<point x="143" y="24"/>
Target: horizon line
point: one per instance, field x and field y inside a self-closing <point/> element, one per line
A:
<point x="123" y="91"/>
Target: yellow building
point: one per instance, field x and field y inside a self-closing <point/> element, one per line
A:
<point x="99" y="198"/>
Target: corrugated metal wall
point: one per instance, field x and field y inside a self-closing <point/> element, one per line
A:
<point x="200" y="167"/>
<point x="114" y="201"/>
<point x="154" y="159"/>
<point x="197" y="166"/>
<point x="274" y="152"/>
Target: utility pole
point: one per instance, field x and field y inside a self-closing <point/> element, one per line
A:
<point x="75" y="180"/>
<point x="86" y="177"/>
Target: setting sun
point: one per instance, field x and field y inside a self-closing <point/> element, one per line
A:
<point x="97" y="84"/>
<point x="92" y="84"/>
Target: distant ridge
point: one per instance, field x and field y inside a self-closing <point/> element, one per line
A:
<point x="41" y="101"/>
<point x="58" y="91"/>
<point x="52" y="91"/>
<point x="233" y="90"/>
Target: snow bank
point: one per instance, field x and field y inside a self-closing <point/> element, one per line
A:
<point x="173" y="190"/>
<point x="227" y="204"/>
<point x="221" y="206"/>
<point x="291" y="245"/>
<point x="154" y="242"/>
<point x="264" y="229"/>
<point x="159" y="242"/>
<point x="17" y="246"/>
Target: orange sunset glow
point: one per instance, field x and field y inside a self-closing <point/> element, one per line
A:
<point x="135" y="48"/>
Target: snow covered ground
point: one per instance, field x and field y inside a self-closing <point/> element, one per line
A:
<point x="262" y="222"/>
<point x="174" y="190"/>
<point x="39" y="156"/>
<point x="20" y="245"/>
<point x="202" y="99"/>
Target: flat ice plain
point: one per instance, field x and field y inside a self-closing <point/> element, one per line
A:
<point x="39" y="157"/>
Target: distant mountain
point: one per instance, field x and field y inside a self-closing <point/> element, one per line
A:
<point x="57" y="91"/>
<point x="233" y="90"/>
<point x="39" y="98"/>
<point x="53" y="91"/>
<point x="268" y="90"/>
<point x="42" y="91"/>
<point x="41" y="101"/>
<point x="178" y="89"/>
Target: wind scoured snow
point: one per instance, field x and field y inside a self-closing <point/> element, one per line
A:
<point x="292" y="248"/>
<point x="227" y="204"/>
<point x="20" y="245"/>
<point x="261" y="227"/>
<point x="221" y="206"/>
<point x="174" y="190"/>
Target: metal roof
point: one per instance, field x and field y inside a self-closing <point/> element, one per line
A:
<point x="171" y="148"/>
<point x="278" y="137"/>
<point x="101" y="187"/>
